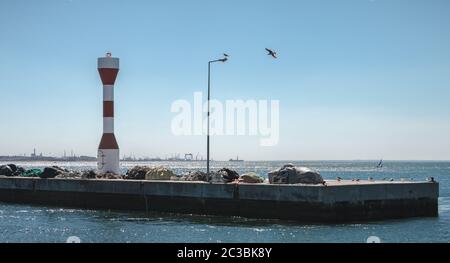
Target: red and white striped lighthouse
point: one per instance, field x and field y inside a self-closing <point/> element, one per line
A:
<point x="108" y="150"/>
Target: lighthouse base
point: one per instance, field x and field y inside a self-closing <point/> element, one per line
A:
<point x="108" y="161"/>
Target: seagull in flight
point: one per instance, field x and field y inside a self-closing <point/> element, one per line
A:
<point x="271" y="53"/>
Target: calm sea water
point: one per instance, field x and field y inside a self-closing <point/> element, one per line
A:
<point x="24" y="223"/>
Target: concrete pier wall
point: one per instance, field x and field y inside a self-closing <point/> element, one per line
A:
<point x="337" y="202"/>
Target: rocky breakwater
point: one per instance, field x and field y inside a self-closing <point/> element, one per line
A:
<point x="12" y="170"/>
<point x="288" y="174"/>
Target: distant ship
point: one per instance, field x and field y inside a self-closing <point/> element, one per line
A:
<point x="235" y="160"/>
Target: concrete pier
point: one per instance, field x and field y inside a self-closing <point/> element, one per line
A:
<point x="337" y="202"/>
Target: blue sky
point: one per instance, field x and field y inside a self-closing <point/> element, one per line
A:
<point x="356" y="79"/>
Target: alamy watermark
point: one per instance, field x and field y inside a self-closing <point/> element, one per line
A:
<point x="232" y="118"/>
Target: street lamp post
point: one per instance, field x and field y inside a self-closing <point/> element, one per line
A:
<point x="209" y="98"/>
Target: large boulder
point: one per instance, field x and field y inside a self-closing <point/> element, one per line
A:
<point x="289" y="174"/>
<point x="224" y="175"/>
<point x="137" y="173"/>
<point x="13" y="167"/>
<point x="197" y="176"/>
<point x="228" y="175"/>
<point x="52" y="172"/>
<point x="159" y="173"/>
<point x="6" y="170"/>
<point x="89" y="174"/>
<point x="251" y="178"/>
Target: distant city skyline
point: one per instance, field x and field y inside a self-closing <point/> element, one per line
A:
<point x="355" y="79"/>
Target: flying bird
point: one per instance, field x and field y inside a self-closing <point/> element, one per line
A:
<point x="225" y="55"/>
<point x="271" y="53"/>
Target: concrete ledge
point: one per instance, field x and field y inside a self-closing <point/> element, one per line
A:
<point x="337" y="202"/>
